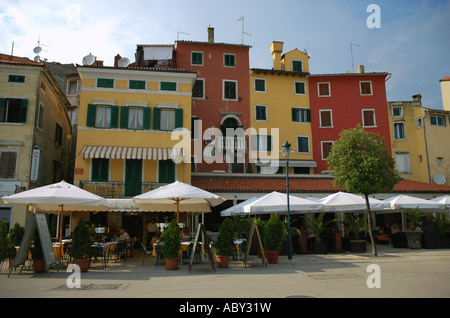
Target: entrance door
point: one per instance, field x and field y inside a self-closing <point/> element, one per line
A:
<point x="166" y="173"/>
<point x="133" y="177"/>
<point x="133" y="224"/>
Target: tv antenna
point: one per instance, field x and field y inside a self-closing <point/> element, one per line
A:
<point x="88" y="59"/>
<point x="124" y="62"/>
<point x="351" y="51"/>
<point x="38" y="49"/>
<point x="243" y="32"/>
<point x="179" y="32"/>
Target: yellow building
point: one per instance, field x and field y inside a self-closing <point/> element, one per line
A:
<point x="125" y="124"/>
<point x="280" y="111"/>
<point x="35" y="131"/>
<point x="420" y="137"/>
<point x="445" y="91"/>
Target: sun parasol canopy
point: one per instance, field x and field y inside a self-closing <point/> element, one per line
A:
<point x="445" y="200"/>
<point x="408" y="202"/>
<point x="344" y="201"/>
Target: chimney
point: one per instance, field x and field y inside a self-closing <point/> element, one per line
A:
<point x="116" y="60"/>
<point x="210" y="34"/>
<point x="276" y="48"/>
<point x="417" y="97"/>
<point x="360" y="69"/>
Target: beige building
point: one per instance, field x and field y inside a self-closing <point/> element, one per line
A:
<point x="445" y="91"/>
<point x="420" y="137"/>
<point x="35" y="131"/>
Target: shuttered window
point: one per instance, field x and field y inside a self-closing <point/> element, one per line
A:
<point x="105" y="82"/>
<point x="324" y="89"/>
<point x="325" y="118"/>
<point x="365" y="88"/>
<point x="167" y="119"/>
<point x="326" y="148"/>
<point x="301" y="115"/>
<point x="136" y="84"/>
<point x="100" y="169"/>
<point x="102" y="116"/>
<point x="303" y="144"/>
<point x="168" y="86"/>
<point x="368" y="118"/>
<point x="13" y="110"/>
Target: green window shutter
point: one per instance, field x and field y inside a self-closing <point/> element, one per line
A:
<point x="133" y="84"/>
<point x="179" y="118"/>
<point x="168" y="86"/>
<point x="156" y="118"/>
<point x="23" y="111"/>
<point x="2" y="109"/>
<point x="269" y="143"/>
<point x="90" y="122"/>
<point x="308" y="115"/>
<point x="294" y="114"/>
<point x="105" y="82"/>
<point x="114" y="116"/>
<point x="147" y="118"/>
<point x="124" y="117"/>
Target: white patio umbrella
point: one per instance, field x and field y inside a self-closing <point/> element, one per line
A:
<point x="276" y="202"/>
<point x="237" y="209"/>
<point x="445" y="200"/>
<point x="344" y="201"/>
<point x="61" y="194"/>
<point x="178" y="192"/>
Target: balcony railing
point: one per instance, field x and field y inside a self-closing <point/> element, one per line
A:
<point x="115" y="189"/>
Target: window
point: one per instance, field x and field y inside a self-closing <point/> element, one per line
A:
<point x="297" y="66"/>
<point x="72" y="116"/>
<point x="196" y="58"/>
<point x="300" y="88"/>
<point x="229" y="90"/>
<point x="40" y="121"/>
<point x="261" y="143"/>
<point x="326" y="120"/>
<point x="105" y="82"/>
<point x="100" y="170"/>
<point x="229" y="60"/>
<point x="8" y="163"/>
<point x="16" y="79"/>
<point x="166" y="171"/>
<point x="402" y="162"/>
<point x="72" y="88"/>
<point x="397" y="111"/>
<point x="302" y="170"/>
<point x="399" y="130"/>
<point x="168" y="86"/>
<point x="301" y="115"/>
<point x="135" y="117"/>
<point x="102" y="116"/>
<point x="13" y="110"/>
<point x="326" y="148"/>
<point x="260" y="85"/>
<point x="368" y="118"/>
<point x="133" y="84"/>
<point x="167" y="119"/>
<point x="323" y="89"/>
<point x="365" y="88"/>
<point x="303" y="144"/>
<point x="198" y="89"/>
<point x="437" y="120"/>
<point x="260" y="112"/>
<point x="419" y="122"/>
<point x="58" y="135"/>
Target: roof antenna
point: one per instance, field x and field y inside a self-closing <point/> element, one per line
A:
<point x="179" y="32"/>
<point x="351" y="51"/>
<point x="243" y="32"/>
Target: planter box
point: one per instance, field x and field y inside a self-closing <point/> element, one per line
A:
<point x="39" y="266"/>
<point x="414" y="239"/>
<point x="83" y="264"/>
<point x="172" y="263"/>
<point x="358" y="246"/>
<point x="222" y="261"/>
<point x="272" y="257"/>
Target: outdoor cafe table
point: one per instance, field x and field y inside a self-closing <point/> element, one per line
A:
<point x="237" y="245"/>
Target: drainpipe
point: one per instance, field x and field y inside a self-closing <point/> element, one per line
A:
<point x="426" y="145"/>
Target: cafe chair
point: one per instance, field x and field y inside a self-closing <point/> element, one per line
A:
<point x="121" y="251"/>
<point x="99" y="252"/>
<point x="159" y="254"/>
<point x="146" y="252"/>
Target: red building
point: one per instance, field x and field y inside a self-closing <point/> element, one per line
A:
<point x="220" y="100"/>
<point x="341" y="101"/>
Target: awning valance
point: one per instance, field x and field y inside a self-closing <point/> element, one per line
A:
<point x="117" y="152"/>
<point x="282" y="163"/>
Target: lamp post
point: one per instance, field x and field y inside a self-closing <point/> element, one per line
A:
<point x="286" y="152"/>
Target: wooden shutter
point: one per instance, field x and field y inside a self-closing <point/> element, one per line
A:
<point x="124" y="117"/>
<point x="324" y="89"/>
<point x="147" y="118"/>
<point x="325" y="118"/>
<point x="368" y="117"/>
<point x="156" y="118"/>
<point x="23" y="111"/>
<point x="308" y="115"/>
<point x="90" y="122"/>
<point x="179" y="118"/>
<point x="2" y="109"/>
<point x="294" y="114"/>
<point x="114" y="116"/>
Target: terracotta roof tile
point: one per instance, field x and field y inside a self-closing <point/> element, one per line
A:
<point x="260" y="184"/>
<point x="16" y="59"/>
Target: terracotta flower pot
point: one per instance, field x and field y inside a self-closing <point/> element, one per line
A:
<point x="83" y="263"/>
<point x="39" y="266"/>
<point x="172" y="263"/>
<point x="414" y="239"/>
<point x="272" y="257"/>
<point x="222" y="261"/>
<point x="358" y="246"/>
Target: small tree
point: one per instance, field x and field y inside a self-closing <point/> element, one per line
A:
<point x="172" y="241"/>
<point x="81" y="241"/>
<point x="3" y="239"/>
<point x="225" y="241"/>
<point x="274" y="233"/>
<point x="361" y="163"/>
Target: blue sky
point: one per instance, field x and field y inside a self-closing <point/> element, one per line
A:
<point x="413" y="42"/>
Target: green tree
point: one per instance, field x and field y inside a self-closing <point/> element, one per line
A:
<point x="361" y="163"/>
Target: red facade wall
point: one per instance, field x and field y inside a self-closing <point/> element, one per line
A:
<point x="346" y="104"/>
<point x="212" y="109"/>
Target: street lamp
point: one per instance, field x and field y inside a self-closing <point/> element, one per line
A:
<point x="286" y="151"/>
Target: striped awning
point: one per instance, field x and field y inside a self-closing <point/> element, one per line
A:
<point x="117" y="152"/>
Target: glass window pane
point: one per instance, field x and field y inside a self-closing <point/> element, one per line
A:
<point x="140" y="118"/>
<point x="131" y="118"/>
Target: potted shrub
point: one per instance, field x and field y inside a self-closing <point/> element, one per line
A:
<point x="273" y="237"/>
<point x="443" y="226"/>
<point x="223" y="247"/>
<point x="15" y="238"/>
<point x="3" y="239"/>
<point x="37" y="255"/>
<point x="318" y="226"/>
<point x="81" y="246"/>
<point x="414" y="233"/>
<point x="354" y="227"/>
<point x="172" y="245"/>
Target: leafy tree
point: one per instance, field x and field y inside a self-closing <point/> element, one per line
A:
<point x="361" y="163"/>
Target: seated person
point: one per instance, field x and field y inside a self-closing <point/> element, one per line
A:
<point x="395" y="228"/>
<point x="185" y="235"/>
<point x="125" y="237"/>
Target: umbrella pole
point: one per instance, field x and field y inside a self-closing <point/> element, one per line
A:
<point x="178" y="210"/>
<point x="60" y="231"/>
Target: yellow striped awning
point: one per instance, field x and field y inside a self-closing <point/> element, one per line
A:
<point x="118" y="152"/>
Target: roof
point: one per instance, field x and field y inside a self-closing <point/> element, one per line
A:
<point x="148" y="69"/>
<point x="278" y="72"/>
<point x="213" y="43"/>
<point x="433" y="110"/>
<point x="445" y="79"/>
<point x="5" y="58"/>
<point x="268" y="184"/>
<point x="350" y="74"/>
